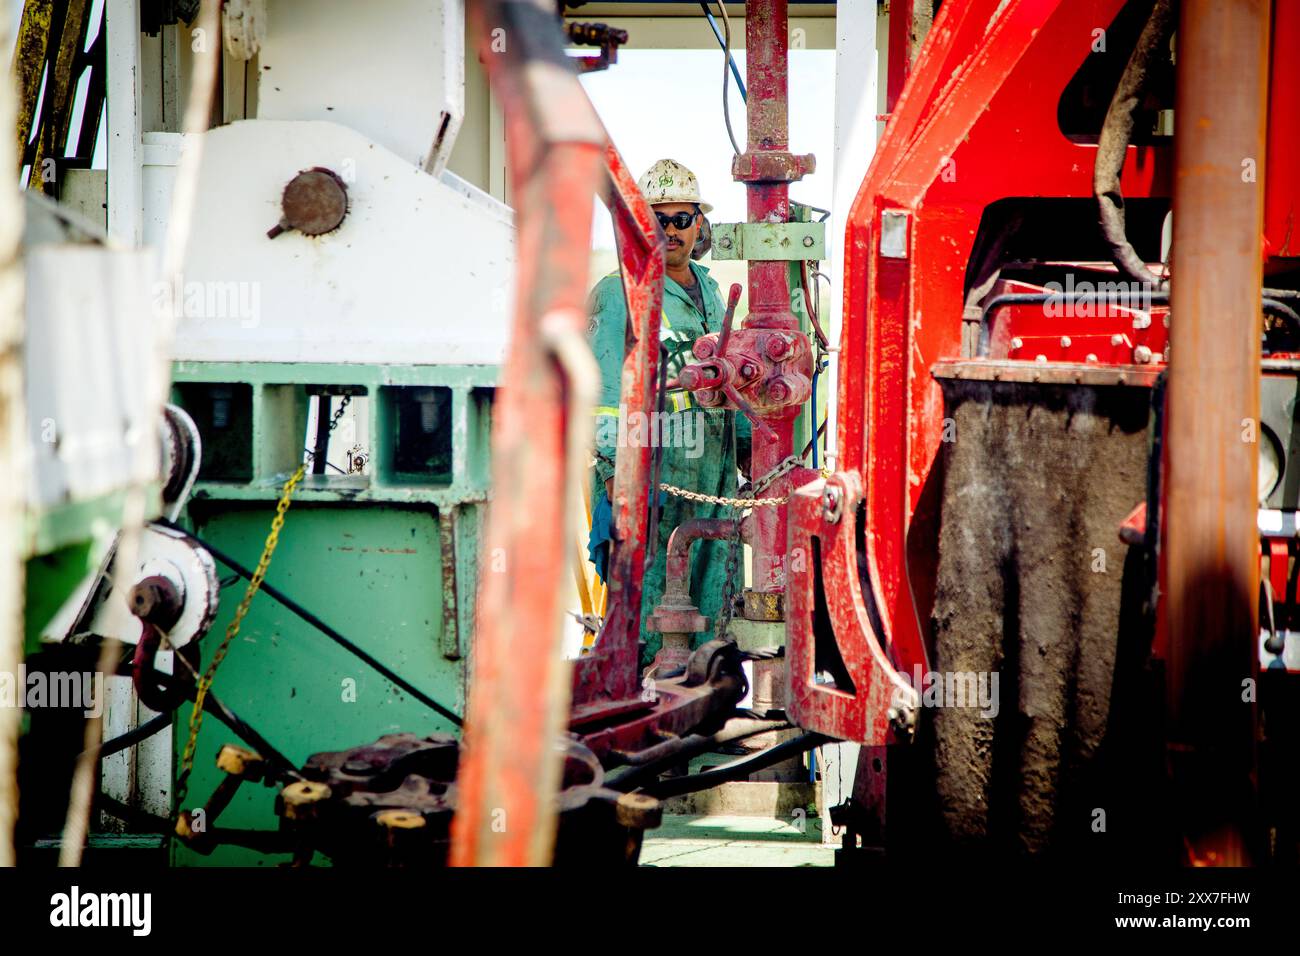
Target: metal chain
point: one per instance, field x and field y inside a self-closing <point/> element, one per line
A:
<point x="232" y="630"/>
<point x="733" y="544"/>
<point x="720" y="500"/>
<point x="729" y="585"/>
<point x="743" y="502"/>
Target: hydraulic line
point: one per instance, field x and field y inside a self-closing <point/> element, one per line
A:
<point x="132" y="737"/>
<point x="725" y="43"/>
<point x="1116" y="133"/>
<point x="650" y="763"/>
<point x="728" y="64"/>
<point x="214" y="706"/>
<point x="737" y="769"/>
<point x="1268" y="305"/>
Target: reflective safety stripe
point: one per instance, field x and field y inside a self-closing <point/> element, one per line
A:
<point x="606" y="410"/>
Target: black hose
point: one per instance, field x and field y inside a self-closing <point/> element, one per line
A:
<point x="140" y="820"/>
<point x="653" y="761"/>
<point x="1116" y="133"/>
<point x="283" y="767"/>
<point x="737" y="769"/>
<point x="324" y="628"/>
<point x="133" y="736"/>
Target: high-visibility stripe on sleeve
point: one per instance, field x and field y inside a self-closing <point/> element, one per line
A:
<point x="606" y="410"/>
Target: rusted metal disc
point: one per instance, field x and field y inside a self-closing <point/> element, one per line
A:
<point x="314" y="202"/>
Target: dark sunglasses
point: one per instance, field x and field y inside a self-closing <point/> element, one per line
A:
<point x="682" y="220"/>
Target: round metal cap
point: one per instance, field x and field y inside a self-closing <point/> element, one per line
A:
<point x="314" y="202"/>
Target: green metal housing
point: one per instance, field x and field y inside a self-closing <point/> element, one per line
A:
<point x="388" y="558"/>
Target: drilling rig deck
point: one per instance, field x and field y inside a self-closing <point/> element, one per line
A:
<point x="343" y="529"/>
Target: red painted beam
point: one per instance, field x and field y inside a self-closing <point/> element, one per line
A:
<point x="510" y="773"/>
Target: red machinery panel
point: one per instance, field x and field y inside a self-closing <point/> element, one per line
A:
<point x="982" y="97"/>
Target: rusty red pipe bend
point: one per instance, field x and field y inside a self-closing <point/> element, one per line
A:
<point x="677" y="582"/>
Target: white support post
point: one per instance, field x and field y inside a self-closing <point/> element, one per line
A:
<point x="125" y="184"/>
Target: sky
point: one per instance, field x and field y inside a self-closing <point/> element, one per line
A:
<point x="668" y="103"/>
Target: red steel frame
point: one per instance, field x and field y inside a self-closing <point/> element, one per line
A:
<point x="984" y="88"/>
<point x="605" y="681"/>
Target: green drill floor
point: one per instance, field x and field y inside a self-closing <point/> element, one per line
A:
<point x="717" y="840"/>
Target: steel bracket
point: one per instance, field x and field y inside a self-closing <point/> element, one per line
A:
<point x="770" y="241"/>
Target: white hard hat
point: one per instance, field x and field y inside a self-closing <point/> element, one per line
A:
<point x="669" y="181"/>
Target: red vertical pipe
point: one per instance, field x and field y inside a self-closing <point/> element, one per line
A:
<point x="1212" y="543"/>
<point x="768" y="107"/>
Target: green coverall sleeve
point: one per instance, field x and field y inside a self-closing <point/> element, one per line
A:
<point x="606" y="334"/>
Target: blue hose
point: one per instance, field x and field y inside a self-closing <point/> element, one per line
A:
<point x="723" y="43"/>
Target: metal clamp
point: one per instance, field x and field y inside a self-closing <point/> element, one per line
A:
<point x="770" y="241"/>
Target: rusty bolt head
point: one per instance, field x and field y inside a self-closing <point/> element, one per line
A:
<point x="778" y="392"/>
<point x="777" y="348"/>
<point x="638" y="811"/>
<point x="808" y="241"/>
<point x="748" y="370"/>
<point x="314" y="203"/>
<point x="301" y="799"/>
<point x="704" y="347"/>
<point x="689" y="378"/>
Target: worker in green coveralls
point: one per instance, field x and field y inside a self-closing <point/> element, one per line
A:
<point x="698" y="446"/>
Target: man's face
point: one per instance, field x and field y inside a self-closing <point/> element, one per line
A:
<point x="680" y="241"/>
